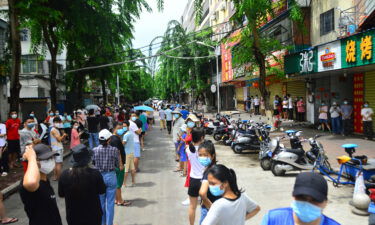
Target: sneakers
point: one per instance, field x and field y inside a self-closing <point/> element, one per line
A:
<point x="186" y="202"/>
<point x="4" y="174"/>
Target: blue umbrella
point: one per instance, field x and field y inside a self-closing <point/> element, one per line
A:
<point x="143" y="108"/>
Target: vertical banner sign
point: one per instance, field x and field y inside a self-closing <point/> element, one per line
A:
<point x="226" y="62"/>
<point x="358" y="89"/>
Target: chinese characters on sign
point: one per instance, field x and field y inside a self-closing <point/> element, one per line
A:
<point x="366" y="47"/>
<point x="350" y="51"/>
<point x="358" y="94"/>
<point x="226" y="58"/>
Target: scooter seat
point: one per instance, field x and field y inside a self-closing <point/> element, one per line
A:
<point x="300" y="152"/>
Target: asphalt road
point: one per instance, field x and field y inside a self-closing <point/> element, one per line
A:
<point x="159" y="191"/>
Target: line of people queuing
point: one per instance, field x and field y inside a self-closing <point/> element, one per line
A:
<point x="214" y="187"/>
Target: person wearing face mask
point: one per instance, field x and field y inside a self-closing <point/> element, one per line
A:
<point x="75" y="136"/>
<point x="367" y="114"/>
<point x="106" y="159"/>
<point x="32" y="114"/>
<point x="169" y="118"/>
<point x="57" y="145"/>
<point x="13" y="138"/>
<point x="234" y="207"/>
<point x="50" y="117"/>
<point x="36" y="192"/>
<point x="310" y="198"/>
<point x="347" y="112"/>
<point x="67" y="123"/>
<point x="128" y="141"/>
<point x="323" y="116"/>
<point x="136" y="128"/>
<point x="116" y="141"/>
<point x="196" y="172"/>
<point x="27" y="134"/>
<point x="81" y="186"/>
<point x="178" y="122"/>
<point x="207" y="158"/>
<point x="182" y="167"/>
<point x="335" y="112"/>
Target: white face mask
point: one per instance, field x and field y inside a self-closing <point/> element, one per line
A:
<point x="75" y="127"/>
<point x="14" y="116"/>
<point x="46" y="166"/>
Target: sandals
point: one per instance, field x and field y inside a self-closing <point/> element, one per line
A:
<point x="11" y="220"/>
<point x="124" y="203"/>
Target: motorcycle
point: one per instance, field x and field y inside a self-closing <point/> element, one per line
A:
<point x="248" y="140"/>
<point x="223" y="127"/>
<point x="298" y="159"/>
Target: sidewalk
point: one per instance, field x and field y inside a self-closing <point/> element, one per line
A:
<point x="331" y="143"/>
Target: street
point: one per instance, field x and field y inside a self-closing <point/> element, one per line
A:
<point x="157" y="196"/>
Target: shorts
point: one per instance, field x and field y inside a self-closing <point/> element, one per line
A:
<point x="285" y="109"/>
<point x="149" y="120"/>
<point x="120" y="177"/>
<point x="204" y="212"/>
<point x="137" y="150"/>
<point x="143" y="133"/>
<point x="129" y="166"/>
<point x="323" y="121"/>
<point x="14" y="146"/>
<point x="59" y="158"/>
<point x="194" y="187"/>
<point x="275" y="112"/>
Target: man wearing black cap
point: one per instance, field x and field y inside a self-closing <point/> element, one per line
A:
<point x="35" y="189"/>
<point x="310" y="198"/>
<point x="81" y="187"/>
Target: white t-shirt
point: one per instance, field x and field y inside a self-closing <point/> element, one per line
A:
<point x="256" y="101"/>
<point x="3" y="130"/>
<point x="197" y="169"/>
<point x="168" y="113"/>
<point x="162" y="114"/>
<point x="285" y="104"/>
<point x="335" y="112"/>
<point x="230" y="212"/>
<point x="365" y="113"/>
<point x="133" y="128"/>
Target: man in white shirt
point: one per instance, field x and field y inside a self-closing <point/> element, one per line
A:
<point x="169" y="118"/>
<point x="290" y="107"/>
<point x="367" y="114"/>
<point x="256" y="104"/>
<point x="162" y="119"/>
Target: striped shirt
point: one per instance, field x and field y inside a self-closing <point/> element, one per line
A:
<point x="105" y="158"/>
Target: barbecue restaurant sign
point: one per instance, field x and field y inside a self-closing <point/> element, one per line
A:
<point x="329" y="56"/>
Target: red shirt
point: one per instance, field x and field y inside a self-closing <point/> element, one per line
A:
<point x="12" y="126"/>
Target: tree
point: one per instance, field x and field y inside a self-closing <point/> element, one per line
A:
<point x="15" y="43"/>
<point x="254" y="45"/>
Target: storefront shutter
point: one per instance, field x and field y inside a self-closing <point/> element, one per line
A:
<point x="240" y="98"/>
<point x="370" y="89"/>
<point x="296" y="89"/>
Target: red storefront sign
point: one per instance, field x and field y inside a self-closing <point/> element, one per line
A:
<point x="358" y="93"/>
<point x="226" y="61"/>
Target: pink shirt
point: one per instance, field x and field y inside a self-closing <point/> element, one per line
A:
<point x="74" y="139"/>
<point x="301" y="106"/>
<point x="323" y="112"/>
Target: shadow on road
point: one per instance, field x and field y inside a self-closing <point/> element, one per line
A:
<point x="145" y="184"/>
<point x="141" y="202"/>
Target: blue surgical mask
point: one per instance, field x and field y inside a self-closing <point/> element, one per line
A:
<point x="134" y="118"/>
<point x="190" y="124"/>
<point x="306" y="211"/>
<point x="125" y="129"/>
<point x="51" y="114"/>
<point x="204" y="161"/>
<point x="31" y="114"/>
<point x="176" y="116"/>
<point x="216" y="191"/>
<point x="30" y="125"/>
<point x="365" y="105"/>
<point x="120" y="132"/>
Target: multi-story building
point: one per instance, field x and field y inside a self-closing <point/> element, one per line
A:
<point x="34" y="75"/>
<point x="340" y="64"/>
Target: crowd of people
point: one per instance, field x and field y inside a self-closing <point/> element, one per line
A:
<point x="214" y="187"/>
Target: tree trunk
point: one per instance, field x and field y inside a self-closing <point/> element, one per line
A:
<point x="53" y="85"/>
<point x="15" y="42"/>
<point x="104" y="91"/>
<point x="261" y="61"/>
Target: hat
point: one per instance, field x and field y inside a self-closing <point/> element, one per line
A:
<point x="193" y="118"/>
<point x="104" y="135"/>
<point x="311" y="184"/>
<point x="81" y="155"/>
<point x="44" y="152"/>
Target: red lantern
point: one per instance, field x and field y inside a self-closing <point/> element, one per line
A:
<point x="268" y="83"/>
<point x="256" y="84"/>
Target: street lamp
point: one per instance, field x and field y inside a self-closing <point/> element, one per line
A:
<point x="217" y="53"/>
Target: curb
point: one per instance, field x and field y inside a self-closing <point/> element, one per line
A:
<point x="8" y="191"/>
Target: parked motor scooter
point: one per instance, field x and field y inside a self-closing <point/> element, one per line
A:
<point x="248" y="140"/>
<point x="298" y="159"/>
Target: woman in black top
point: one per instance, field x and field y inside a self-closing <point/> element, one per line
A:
<point x="81" y="187"/>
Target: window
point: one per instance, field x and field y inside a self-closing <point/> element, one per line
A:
<point x="24" y="35"/>
<point x="327" y="22"/>
<point x="30" y="64"/>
